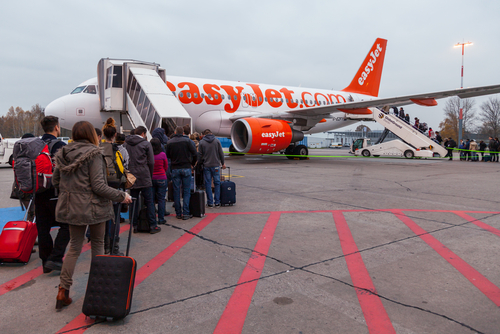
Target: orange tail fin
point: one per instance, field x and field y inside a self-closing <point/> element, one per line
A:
<point x="367" y="80"/>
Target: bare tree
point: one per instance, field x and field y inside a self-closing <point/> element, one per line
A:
<point x="451" y="110"/>
<point x="18" y="122"/>
<point x="490" y="116"/>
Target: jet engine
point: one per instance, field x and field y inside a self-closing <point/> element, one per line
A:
<point x="262" y="135"/>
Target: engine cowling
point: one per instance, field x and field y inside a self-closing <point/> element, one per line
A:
<point x="262" y="135"/>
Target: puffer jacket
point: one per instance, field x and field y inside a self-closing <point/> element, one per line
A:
<point x="84" y="195"/>
<point x="141" y="160"/>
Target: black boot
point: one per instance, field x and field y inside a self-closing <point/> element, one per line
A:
<point x="116" y="248"/>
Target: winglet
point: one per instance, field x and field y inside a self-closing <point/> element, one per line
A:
<point x="367" y="80"/>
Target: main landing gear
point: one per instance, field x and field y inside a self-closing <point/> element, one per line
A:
<point x="297" y="152"/>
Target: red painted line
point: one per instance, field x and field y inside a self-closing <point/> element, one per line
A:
<point x="478" y="223"/>
<point x="489" y="289"/>
<point x="376" y="316"/>
<point x="146" y="270"/>
<point x="34" y="273"/>
<point x="233" y="317"/>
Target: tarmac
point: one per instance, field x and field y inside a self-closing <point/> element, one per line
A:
<point x="332" y="244"/>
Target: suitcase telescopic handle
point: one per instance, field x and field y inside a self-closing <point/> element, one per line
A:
<point x="131" y="219"/>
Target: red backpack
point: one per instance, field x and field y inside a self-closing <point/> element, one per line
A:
<point x="33" y="165"/>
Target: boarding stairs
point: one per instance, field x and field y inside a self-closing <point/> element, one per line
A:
<point x="138" y="90"/>
<point x="406" y="132"/>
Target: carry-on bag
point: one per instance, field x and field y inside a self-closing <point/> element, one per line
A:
<point x="197" y="201"/>
<point x="228" y="191"/>
<point x="111" y="283"/>
<point x="17" y="240"/>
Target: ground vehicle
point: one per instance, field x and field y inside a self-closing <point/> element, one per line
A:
<point x="335" y="145"/>
<point x="6" y="150"/>
<point x="395" y="148"/>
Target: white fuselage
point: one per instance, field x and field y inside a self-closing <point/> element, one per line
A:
<point x="211" y="104"/>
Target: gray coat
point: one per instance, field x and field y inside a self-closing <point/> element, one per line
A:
<point x="210" y="151"/>
<point x="84" y="195"/>
<point x="141" y="160"/>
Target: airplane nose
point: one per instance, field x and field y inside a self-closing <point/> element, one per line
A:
<point x="56" y="108"/>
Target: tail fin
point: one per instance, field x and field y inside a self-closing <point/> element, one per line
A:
<point x="367" y="80"/>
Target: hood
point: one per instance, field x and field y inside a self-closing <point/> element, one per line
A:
<point x="160" y="134"/>
<point x="70" y="157"/>
<point x="133" y="140"/>
<point x="209" y="138"/>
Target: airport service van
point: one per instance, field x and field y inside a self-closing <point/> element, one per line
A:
<point x="393" y="148"/>
<point x="6" y="150"/>
<point x="335" y="145"/>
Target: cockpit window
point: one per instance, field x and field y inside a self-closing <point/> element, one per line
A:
<point x="90" y="89"/>
<point x="78" y="89"/>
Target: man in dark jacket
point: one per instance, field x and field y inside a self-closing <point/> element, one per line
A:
<point x="141" y="165"/>
<point x="450" y="144"/>
<point x="51" y="252"/>
<point x="492" y="146"/>
<point x="182" y="154"/>
<point x="212" y="157"/>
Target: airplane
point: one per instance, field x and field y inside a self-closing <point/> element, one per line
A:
<point x="259" y="118"/>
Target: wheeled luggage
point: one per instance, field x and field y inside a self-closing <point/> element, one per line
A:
<point x="197" y="201"/>
<point x="170" y="191"/>
<point x="17" y="240"/>
<point x="228" y="191"/>
<point x="111" y="283"/>
<point x="142" y="219"/>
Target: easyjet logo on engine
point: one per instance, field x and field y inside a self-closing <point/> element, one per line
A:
<point x="370" y="65"/>
<point x="276" y="134"/>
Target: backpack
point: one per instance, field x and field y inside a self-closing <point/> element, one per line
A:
<point x="33" y="164"/>
<point x="114" y="165"/>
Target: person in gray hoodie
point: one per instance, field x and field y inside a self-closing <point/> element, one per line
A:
<point x="212" y="157"/>
<point x="141" y="165"/>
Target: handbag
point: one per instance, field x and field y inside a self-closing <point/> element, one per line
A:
<point x="130" y="179"/>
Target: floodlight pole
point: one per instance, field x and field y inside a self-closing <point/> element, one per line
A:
<point x="460" y="115"/>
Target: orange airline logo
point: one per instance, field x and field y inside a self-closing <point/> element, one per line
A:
<point x="370" y="65"/>
<point x="233" y="97"/>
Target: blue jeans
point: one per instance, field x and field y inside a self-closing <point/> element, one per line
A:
<point x="181" y="177"/>
<point x="147" y="193"/>
<point x="159" y="192"/>
<point x="209" y="173"/>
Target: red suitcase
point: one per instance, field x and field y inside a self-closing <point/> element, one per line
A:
<point x="17" y="241"/>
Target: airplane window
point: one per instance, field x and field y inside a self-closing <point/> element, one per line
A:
<point x="216" y="97"/>
<point x="188" y="95"/>
<point x="229" y="97"/>
<point x="253" y="98"/>
<point x="209" y="96"/>
<point x="265" y="99"/>
<point x="281" y="100"/>
<point x="236" y="97"/>
<point x="195" y="95"/>
<point x="180" y="94"/>
<point x="202" y="95"/>
<point x="260" y="98"/>
<point x="244" y="98"/>
<point x="286" y="100"/>
<point x="78" y="89"/>
<point x="222" y="97"/>
<point x="90" y="89"/>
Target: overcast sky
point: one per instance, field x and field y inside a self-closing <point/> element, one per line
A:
<point x="49" y="47"/>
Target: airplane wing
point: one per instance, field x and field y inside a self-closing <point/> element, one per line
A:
<point x="422" y="99"/>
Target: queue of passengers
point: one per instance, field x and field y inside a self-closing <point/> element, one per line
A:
<point x="89" y="196"/>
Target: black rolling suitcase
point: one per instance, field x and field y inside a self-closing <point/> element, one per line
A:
<point x="228" y="191"/>
<point x="111" y="284"/>
<point x="197" y="202"/>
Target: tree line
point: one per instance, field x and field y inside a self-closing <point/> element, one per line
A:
<point x="17" y="122"/>
<point x="484" y="122"/>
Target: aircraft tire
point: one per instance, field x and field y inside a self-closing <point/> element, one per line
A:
<point x="302" y="151"/>
<point x="408" y="154"/>
<point x="365" y="153"/>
